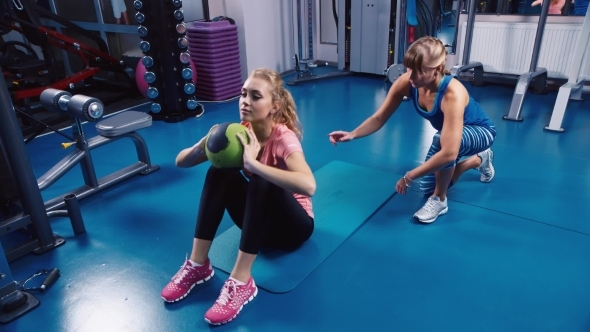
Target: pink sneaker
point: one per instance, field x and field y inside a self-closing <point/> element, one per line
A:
<point x="231" y="301"/>
<point x="185" y="279"/>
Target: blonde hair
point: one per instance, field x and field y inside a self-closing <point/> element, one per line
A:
<point x="287" y="113"/>
<point x="426" y="52"/>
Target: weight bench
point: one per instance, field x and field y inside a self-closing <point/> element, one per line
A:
<point x="122" y="125"/>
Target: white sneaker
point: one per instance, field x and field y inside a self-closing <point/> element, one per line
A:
<point x="433" y="208"/>
<point x="486" y="168"/>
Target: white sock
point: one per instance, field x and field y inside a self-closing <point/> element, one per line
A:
<point x="195" y="264"/>
<point x="239" y="283"/>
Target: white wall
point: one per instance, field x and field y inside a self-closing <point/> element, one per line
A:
<point x="265" y="32"/>
<point x="269" y="34"/>
<point x="232" y="9"/>
<point x="193" y="10"/>
<point x="328" y="31"/>
<point x="323" y="52"/>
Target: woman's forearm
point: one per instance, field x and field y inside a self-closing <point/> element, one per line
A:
<point x="369" y="126"/>
<point x="190" y="157"/>
<point x="297" y="182"/>
<point x="435" y="163"/>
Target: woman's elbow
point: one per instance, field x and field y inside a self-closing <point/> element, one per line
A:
<point x="450" y="156"/>
<point x="178" y="162"/>
<point x="181" y="162"/>
<point x="310" y="188"/>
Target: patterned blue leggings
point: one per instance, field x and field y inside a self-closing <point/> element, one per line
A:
<point x="475" y="140"/>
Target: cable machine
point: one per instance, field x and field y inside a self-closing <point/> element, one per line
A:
<point x="368" y="34"/>
<point x="535" y="74"/>
<point x="573" y="88"/>
<point x="465" y="64"/>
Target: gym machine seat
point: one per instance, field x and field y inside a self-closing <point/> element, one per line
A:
<point x="122" y="125"/>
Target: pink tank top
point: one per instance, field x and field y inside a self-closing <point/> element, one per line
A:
<point x="281" y="143"/>
<point x="556" y="8"/>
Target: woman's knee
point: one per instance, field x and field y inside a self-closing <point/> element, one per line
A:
<point x="261" y="185"/>
<point x="258" y="179"/>
<point x="222" y="173"/>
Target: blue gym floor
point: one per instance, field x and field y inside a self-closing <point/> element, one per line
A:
<point x="511" y="255"/>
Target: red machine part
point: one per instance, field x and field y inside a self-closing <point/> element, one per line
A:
<point x="85" y="52"/>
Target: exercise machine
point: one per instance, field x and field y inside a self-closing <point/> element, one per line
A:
<point x="465" y="65"/>
<point x="367" y="38"/>
<point x="535" y="75"/>
<point x="573" y="88"/>
<point x="398" y="43"/>
<point x="24" y="16"/>
<point x="373" y="36"/>
<point x="27" y="75"/>
<point x="13" y="301"/>
<point x="31" y="218"/>
<point x="16" y="299"/>
<point x="304" y="66"/>
<point x="122" y="125"/>
<point x="410" y="20"/>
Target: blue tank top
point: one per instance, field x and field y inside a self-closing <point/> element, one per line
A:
<point x="473" y="114"/>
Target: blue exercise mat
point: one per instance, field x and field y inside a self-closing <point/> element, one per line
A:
<point x="346" y="196"/>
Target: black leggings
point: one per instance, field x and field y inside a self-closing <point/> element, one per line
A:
<point x="268" y="215"/>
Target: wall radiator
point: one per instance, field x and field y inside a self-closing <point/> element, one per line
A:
<point x="507" y="47"/>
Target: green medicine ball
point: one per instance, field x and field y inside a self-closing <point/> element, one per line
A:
<point x="223" y="148"/>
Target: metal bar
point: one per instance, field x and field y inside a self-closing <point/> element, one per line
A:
<point x="44" y="124"/>
<point x="403" y="32"/>
<point x="309" y="30"/>
<point x="206" y="11"/>
<point x="460" y="4"/>
<point x="573" y="88"/>
<point x="469" y="33"/>
<point x="60" y="85"/>
<point x="73" y="208"/>
<point x="539" y="75"/>
<point x="579" y="49"/>
<point x="12" y="142"/>
<point x="539" y="35"/>
<point x="299" y="36"/>
<point x="397" y="33"/>
<point x="7" y="284"/>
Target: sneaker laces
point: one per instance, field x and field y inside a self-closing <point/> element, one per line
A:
<point x="430" y="205"/>
<point x="228" y="292"/>
<point x="184" y="271"/>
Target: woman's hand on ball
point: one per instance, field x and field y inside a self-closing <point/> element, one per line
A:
<point x="251" y="150"/>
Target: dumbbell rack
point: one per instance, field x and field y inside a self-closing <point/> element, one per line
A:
<point x="167" y="60"/>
